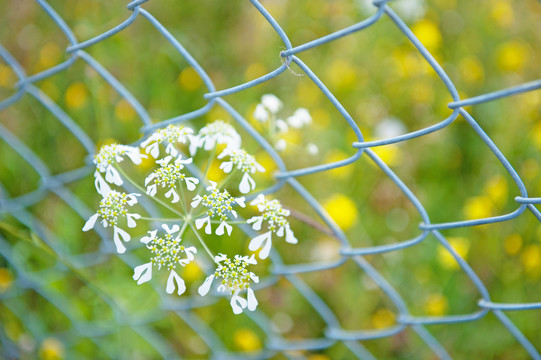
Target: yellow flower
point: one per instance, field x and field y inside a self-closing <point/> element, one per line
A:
<point x="513" y="243"/>
<point x="192" y="272"/>
<point x="383" y="318"/>
<point x="496" y="190"/>
<point x="246" y="340"/>
<point x="254" y="71"/>
<point x="6" y="279"/>
<point x="51" y="349"/>
<point x="436" y="305"/>
<point x="531" y="259"/>
<point x="124" y="111"/>
<point x="308" y="93"/>
<point x="49" y="55"/>
<point x="342" y="210"/>
<point x="471" y="70"/>
<point x="447" y="260"/>
<point x="341" y="172"/>
<point x="428" y="34"/>
<point x="478" y="207"/>
<point x="76" y="96"/>
<point x="502" y="13"/>
<point x="7" y="78"/>
<point x="512" y="56"/>
<point x="189" y="80"/>
<point x="341" y="75"/>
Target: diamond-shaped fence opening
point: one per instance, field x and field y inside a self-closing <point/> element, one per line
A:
<point x="432" y="278"/>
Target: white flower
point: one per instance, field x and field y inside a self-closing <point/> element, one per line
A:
<point x="260" y="113"/>
<point x="389" y="127"/>
<point x="312" y="149"/>
<point x="218" y="132"/>
<point x="219" y="205"/>
<point x="280" y="145"/>
<point x="169" y="175"/>
<point x="167" y="252"/>
<point x="245" y="163"/>
<point x="271" y="103"/>
<point x="108" y="156"/>
<point x="168" y="136"/>
<point x="275" y="217"/>
<point x="112" y="207"/>
<point x="300" y="118"/>
<point x="235" y="278"/>
<point x="281" y="126"/>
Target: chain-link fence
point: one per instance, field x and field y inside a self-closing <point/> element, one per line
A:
<point x="86" y="331"/>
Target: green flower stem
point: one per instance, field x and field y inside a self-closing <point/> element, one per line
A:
<point x="183" y="228"/>
<point x="229" y="222"/>
<point x="228" y="178"/>
<point x="209" y="163"/>
<point x="143" y="191"/>
<point x="194" y="230"/>
<point x="157" y="219"/>
<point x="182" y="197"/>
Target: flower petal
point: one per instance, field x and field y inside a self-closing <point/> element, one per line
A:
<point x="173" y="193"/>
<point x="119" y="235"/>
<point x="290" y="237"/>
<point x="252" y="301"/>
<point x="257" y="220"/>
<point x="246" y="184"/>
<point x="131" y="219"/>
<point x="195" y="201"/>
<point x="90" y="222"/>
<point x="191" y="182"/>
<point x="226" y="166"/>
<point x="237" y="303"/>
<point x="180" y="285"/>
<point x="204" y="289"/>
<point x="220" y="229"/>
<point x="112" y="176"/>
<point x="142" y="273"/>
<point x="170" y="230"/>
<point x="262" y="241"/>
<point x="149" y="238"/>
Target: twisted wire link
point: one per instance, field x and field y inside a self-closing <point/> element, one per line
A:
<point x="19" y="206"/>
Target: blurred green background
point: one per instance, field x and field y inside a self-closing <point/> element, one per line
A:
<point x="385" y="85"/>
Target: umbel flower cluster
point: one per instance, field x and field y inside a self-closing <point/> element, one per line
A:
<point x="203" y="208"/>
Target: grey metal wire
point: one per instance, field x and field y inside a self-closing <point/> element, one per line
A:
<point x="275" y="343"/>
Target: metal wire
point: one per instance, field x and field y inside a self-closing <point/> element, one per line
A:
<point x="275" y="343"/>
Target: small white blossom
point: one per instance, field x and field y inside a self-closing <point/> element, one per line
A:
<point x="281" y="126"/>
<point x="235" y="278"/>
<point x="271" y="103"/>
<point x="260" y="113"/>
<point x="280" y="145"/>
<point x="168" y="176"/>
<point x="218" y="132"/>
<point x="112" y="208"/>
<point x="219" y="205"/>
<point x="169" y="136"/>
<point x="389" y="127"/>
<point x="167" y="252"/>
<point x="108" y="156"/>
<point x="300" y="118"/>
<point x="312" y="149"/>
<point x="243" y="161"/>
<point x="275" y="217"/>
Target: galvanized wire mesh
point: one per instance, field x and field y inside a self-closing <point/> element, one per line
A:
<point x="20" y="207"/>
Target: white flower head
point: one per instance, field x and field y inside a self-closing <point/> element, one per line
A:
<point x="260" y="113"/>
<point x="281" y="145"/>
<point x="271" y="103"/>
<point x="109" y="155"/>
<point x="234" y="279"/>
<point x="240" y="159"/>
<point x="217" y="132"/>
<point x="167" y="252"/>
<point x="312" y="149"/>
<point x="169" y="175"/>
<point x="219" y="205"/>
<point x="112" y="208"/>
<point x="300" y="118"/>
<point x="169" y="137"/>
<point x="274" y="216"/>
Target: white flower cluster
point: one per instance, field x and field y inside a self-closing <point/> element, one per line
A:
<point x="196" y="210"/>
<point x="267" y="112"/>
